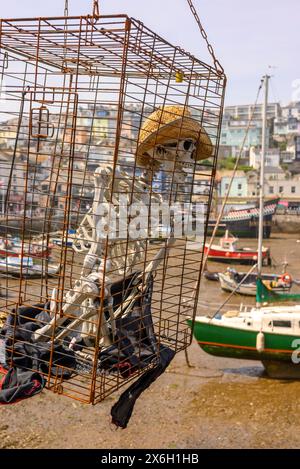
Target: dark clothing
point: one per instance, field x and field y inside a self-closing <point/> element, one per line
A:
<point x="122" y="410"/>
<point x="17" y="384"/>
<point x="134" y="346"/>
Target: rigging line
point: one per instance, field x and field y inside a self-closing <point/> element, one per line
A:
<point x="234" y="291"/>
<point x="233" y="174"/>
<point x="210" y="48"/>
<point x="19" y="125"/>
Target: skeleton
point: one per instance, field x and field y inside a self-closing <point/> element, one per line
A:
<point x="102" y="257"/>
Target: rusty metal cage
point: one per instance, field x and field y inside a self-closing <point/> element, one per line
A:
<point x="94" y="115"/>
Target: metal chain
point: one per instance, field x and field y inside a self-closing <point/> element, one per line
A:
<point x="217" y="64"/>
<point x="96" y="11"/>
<point x="66" y="12"/>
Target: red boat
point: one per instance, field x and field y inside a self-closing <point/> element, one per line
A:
<point x="13" y="248"/>
<point x="228" y="251"/>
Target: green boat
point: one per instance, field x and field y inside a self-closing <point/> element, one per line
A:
<point x="265" y="294"/>
<point x="270" y="335"/>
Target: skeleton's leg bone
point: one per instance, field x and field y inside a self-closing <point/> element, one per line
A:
<point x="88" y="311"/>
<point x="137" y="292"/>
<point x="53" y="303"/>
<point x="82" y="290"/>
<point x="87" y="314"/>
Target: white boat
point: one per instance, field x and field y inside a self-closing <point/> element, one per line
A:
<point x="244" y="284"/>
<point x="60" y="239"/>
<point x="26" y="267"/>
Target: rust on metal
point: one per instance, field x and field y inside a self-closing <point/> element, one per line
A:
<point x="109" y="138"/>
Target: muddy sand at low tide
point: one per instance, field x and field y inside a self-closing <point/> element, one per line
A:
<point x="218" y="403"/>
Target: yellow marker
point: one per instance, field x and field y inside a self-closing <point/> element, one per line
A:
<point x="179" y="77"/>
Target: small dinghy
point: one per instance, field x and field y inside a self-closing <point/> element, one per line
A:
<point x="245" y="284"/>
<point x="13" y="247"/>
<point x="26" y="267"/>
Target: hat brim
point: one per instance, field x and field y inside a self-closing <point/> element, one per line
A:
<point x="185" y="127"/>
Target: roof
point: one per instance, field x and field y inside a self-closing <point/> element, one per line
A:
<point x="229" y="173"/>
<point x="273" y="170"/>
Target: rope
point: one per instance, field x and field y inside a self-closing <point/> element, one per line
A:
<point x="231" y="180"/>
<point x="9" y="182"/>
<point x="234" y="291"/>
<point x="217" y="64"/>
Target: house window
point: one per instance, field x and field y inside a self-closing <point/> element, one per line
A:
<point x="280" y="189"/>
<point x="239" y="187"/>
<point x="271" y="190"/>
<point x="293" y="189"/>
<point x="226" y="186"/>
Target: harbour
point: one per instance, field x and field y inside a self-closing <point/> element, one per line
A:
<point x="233" y="399"/>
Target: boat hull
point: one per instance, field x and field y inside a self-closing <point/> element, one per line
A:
<point x="248" y="289"/>
<point x="228" y="285"/>
<point x="244" y="223"/>
<point x="239" y="343"/>
<point x="26" y="272"/>
<point x="39" y="254"/>
<point x="242" y="228"/>
<point x="235" y="257"/>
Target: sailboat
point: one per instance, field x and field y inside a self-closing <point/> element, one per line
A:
<point x="268" y="334"/>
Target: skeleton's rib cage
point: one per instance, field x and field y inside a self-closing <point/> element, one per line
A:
<point x="98" y="115"/>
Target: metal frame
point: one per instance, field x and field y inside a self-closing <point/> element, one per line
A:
<point x="77" y="91"/>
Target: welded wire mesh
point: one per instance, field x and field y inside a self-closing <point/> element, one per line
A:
<point x="90" y="305"/>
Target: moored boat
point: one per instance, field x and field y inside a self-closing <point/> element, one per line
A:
<point x="245" y="284"/>
<point x="13" y="247"/>
<point x="244" y="222"/>
<point x="63" y="239"/>
<point x="26" y="267"/>
<point x="228" y="251"/>
<point x="269" y="334"/>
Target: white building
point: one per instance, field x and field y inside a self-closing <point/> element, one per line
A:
<point x="272" y="157"/>
<point x="244" y="112"/>
<point x="291" y="110"/>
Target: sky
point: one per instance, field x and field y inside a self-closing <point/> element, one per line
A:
<point x="250" y="37"/>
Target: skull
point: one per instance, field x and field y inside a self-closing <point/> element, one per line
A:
<point x="176" y="158"/>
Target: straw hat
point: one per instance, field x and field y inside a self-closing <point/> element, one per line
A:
<point x="172" y="123"/>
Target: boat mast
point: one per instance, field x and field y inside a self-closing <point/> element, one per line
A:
<point x="262" y="177"/>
